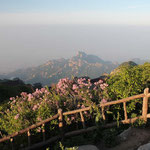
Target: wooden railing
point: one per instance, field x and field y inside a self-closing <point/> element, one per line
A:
<point x="60" y="116"/>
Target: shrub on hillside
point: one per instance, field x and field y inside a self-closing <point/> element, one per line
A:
<point x="126" y="82"/>
<point x="67" y="94"/>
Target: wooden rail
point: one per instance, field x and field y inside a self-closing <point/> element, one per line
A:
<point x="123" y="100"/>
<point x="60" y="116"/>
<point x="29" y="128"/>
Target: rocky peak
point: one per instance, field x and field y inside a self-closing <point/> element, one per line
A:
<point x="88" y="58"/>
<point x="81" y="54"/>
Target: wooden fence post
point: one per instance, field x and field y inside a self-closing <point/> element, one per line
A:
<point x="12" y="146"/>
<point x="145" y="104"/>
<point x="103" y="113"/>
<point x="125" y="111"/>
<point x="43" y="131"/>
<point x="61" y="123"/>
<point x="29" y="138"/>
<point x="82" y="119"/>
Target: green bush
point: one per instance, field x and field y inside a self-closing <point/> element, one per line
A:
<point x="128" y="81"/>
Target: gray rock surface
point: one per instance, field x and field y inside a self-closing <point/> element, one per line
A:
<point x="125" y="134"/>
<point x="86" y="147"/>
<point x="144" y="147"/>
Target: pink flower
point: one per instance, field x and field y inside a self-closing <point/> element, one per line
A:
<point x="14" y="101"/>
<point x="78" y="106"/>
<point x="30" y="96"/>
<point x="82" y="106"/>
<point x="81" y="86"/>
<point x="56" y="103"/>
<point x="34" y="107"/>
<point x="94" y="88"/>
<point x="102" y="86"/>
<point x="64" y="103"/>
<point x="100" y="81"/>
<point x="42" y="90"/>
<point x="16" y="117"/>
<point x="103" y="101"/>
<point x="105" y="84"/>
<point x="11" y="98"/>
<point x="39" y="119"/>
<point x="38" y="129"/>
<point x="83" y="98"/>
<point x="72" y="118"/>
<point x="19" y="108"/>
<point x="24" y="94"/>
<point x="85" y="113"/>
<point x="74" y="87"/>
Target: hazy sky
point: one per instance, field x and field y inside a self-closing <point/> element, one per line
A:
<point x="34" y="31"/>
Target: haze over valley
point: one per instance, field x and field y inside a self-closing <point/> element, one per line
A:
<point x="23" y="46"/>
<point x="34" y="32"/>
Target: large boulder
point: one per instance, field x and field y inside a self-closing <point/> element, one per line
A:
<point x="85" y="147"/>
<point x="144" y="147"/>
<point x="125" y="134"/>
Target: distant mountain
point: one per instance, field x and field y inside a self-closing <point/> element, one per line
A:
<point x="140" y="61"/>
<point x="11" y="88"/>
<point x="2" y="76"/>
<point x="79" y="65"/>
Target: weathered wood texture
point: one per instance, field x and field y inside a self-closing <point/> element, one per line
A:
<point x="29" y="138"/>
<point x="123" y="100"/>
<point x="103" y="113"/>
<point x="43" y="131"/>
<point x="82" y="119"/>
<point x="145" y="104"/>
<point x="61" y="123"/>
<point x="125" y="111"/>
<point x="12" y="146"/>
<point x="76" y="111"/>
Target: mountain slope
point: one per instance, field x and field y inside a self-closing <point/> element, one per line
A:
<point x="79" y="65"/>
<point x="124" y="64"/>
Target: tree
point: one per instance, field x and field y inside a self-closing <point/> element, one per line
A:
<point x="129" y="81"/>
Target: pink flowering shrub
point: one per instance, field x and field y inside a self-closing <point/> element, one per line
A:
<point x="82" y="90"/>
<point x="43" y="103"/>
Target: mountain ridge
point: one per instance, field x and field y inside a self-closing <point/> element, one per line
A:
<point x="50" y="72"/>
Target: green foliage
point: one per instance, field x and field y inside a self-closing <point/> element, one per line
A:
<point x="129" y="80"/>
<point x="139" y="123"/>
<point x="125" y="83"/>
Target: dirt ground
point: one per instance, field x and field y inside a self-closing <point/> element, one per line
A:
<point x="137" y="137"/>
